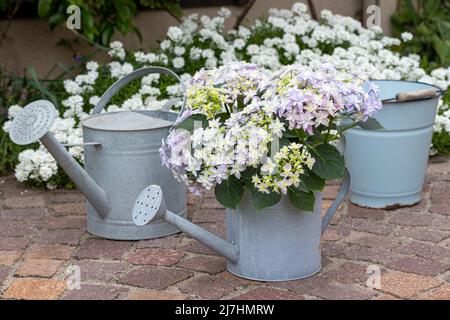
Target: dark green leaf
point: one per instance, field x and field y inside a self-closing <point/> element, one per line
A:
<point x="56" y="19"/>
<point x="44" y="8"/>
<point x="302" y="200"/>
<point x="312" y="181"/>
<point x="247" y="175"/>
<point x="229" y="192"/>
<point x="263" y="200"/>
<point x="329" y="162"/>
<point x="190" y="123"/>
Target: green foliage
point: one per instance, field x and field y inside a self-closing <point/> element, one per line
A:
<point x="100" y="19"/>
<point x="301" y="200"/>
<point x="263" y="200"/>
<point x="229" y="192"/>
<point x="429" y="22"/>
<point x="329" y="162"/>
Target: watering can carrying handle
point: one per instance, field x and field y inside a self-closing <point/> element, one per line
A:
<point x="139" y="73"/>
<point x="337" y="201"/>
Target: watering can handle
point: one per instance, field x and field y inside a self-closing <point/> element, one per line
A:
<point x="337" y="201"/>
<point x="139" y="73"/>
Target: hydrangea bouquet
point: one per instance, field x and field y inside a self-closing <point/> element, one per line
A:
<point x="272" y="134"/>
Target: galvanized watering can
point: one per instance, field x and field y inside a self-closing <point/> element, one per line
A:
<point x="388" y="166"/>
<point x="279" y="243"/>
<point x="121" y="157"/>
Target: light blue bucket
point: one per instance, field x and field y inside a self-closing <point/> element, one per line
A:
<point x="388" y="166"/>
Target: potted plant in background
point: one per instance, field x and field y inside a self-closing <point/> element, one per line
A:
<point x="266" y="145"/>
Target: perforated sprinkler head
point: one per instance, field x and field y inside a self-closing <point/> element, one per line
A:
<point x="149" y="206"/>
<point x="33" y="122"/>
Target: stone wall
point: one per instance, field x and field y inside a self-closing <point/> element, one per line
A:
<point x="30" y="42"/>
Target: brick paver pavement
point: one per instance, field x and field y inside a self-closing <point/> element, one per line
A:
<point x="43" y="234"/>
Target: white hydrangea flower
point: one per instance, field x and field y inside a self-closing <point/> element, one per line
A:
<point x="175" y="34"/>
<point x="178" y="63"/>
<point x="406" y="36"/>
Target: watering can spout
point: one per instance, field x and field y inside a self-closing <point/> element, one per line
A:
<point x="150" y="207"/>
<point x="32" y="124"/>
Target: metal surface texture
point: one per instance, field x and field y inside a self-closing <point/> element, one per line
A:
<point x="388" y="166"/>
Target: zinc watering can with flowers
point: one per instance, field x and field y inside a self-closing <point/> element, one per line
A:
<point x="388" y="165"/>
<point x="121" y="157"/>
<point x="235" y="115"/>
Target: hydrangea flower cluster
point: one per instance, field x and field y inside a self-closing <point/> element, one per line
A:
<point x="285" y="37"/>
<point x="308" y="98"/>
<point x="237" y="113"/>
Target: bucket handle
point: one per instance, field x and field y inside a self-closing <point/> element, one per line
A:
<point x="416" y="95"/>
<point x="122" y="82"/>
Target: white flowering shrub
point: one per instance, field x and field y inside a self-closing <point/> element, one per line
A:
<point x="284" y="37"/>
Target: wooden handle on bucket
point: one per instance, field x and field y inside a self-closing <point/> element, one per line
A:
<point x="416" y="95"/>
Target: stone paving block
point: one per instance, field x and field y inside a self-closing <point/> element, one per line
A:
<point x="62" y="209"/>
<point x="23" y="214"/>
<point x="266" y="293"/>
<point x="157" y="295"/>
<point x="60" y="236"/>
<point x="18" y="228"/>
<point x="164" y="242"/>
<point x="14" y="243"/>
<point x="67" y="197"/>
<point x="355" y="211"/>
<point x="156" y="278"/>
<point x="209" y="264"/>
<point x="38" y="267"/>
<point x="103" y="249"/>
<point x="367" y="225"/>
<point x="35" y="289"/>
<point x="155" y="256"/>
<point x="324" y="288"/>
<point x="65" y="222"/>
<point x="425" y="250"/>
<point x="8" y="258"/>
<point x="422" y="234"/>
<point x="349" y="273"/>
<point x="211" y="215"/>
<point x="412" y="219"/>
<point x="373" y="241"/>
<point x="441" y="293"/>
<point x="58" y="252"/>
<point x="207" y="287"/>
<point x="417" y="265"/>
<point x="25" y="202"/>
<point x="406" y="285"/>
<point x="441" y="223"/>
<point x="197" y="247"/>
<point x="103" y="271"/>
<point x="4" y="271"/>
<point x="94" y="292"/>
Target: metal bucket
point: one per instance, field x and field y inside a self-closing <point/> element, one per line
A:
<point x="388" y="166"/>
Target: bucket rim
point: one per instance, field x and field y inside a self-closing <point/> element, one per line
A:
<point x="92" y="116"/>
<point x="409" y="81"/>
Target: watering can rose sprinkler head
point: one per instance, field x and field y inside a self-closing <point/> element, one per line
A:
<point x="33" y="123"/>
<point x="150" y="207"/>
